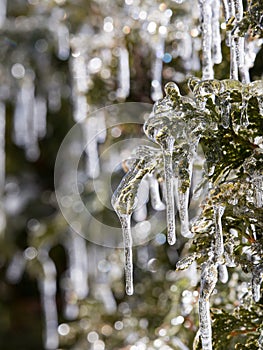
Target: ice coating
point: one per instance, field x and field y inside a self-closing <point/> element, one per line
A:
<point x="173" y="128"/>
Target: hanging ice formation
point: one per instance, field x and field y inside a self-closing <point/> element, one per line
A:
<point x="2" y="146"/>
<point x="29" y="118"/>
<point x="176" y="124"/>
<point x="48" y="288"/>
<point x="125" y="199"/>
<point x="173" y="127"/>
<point x="77" y="286"/>
<point x="124" y="74"/>
<point x="3" y="4"/>
<point x="211" y="38"/>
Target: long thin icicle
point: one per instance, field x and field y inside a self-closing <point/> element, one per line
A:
<point x="40" y="116"/>
<point x="216" y="42"/>
<point x="183" y="200"/>
<point x="157" y="69"/>
<point x="219" y="244"/>
<point x="48" y="287"/>
<point x="125" y="199"/>
<point x="124" y="74"/>
<point x="237" y="43"/>
<point x="3" y="4"/>
<point x="156" y="202"/>
<point x="91" y="149"/>
<point x="125" y="220"/>
<point x="209" y="276"/>
<point x="206" y="21"/>
<point x="157" y="93"/>
<point x="169" y="191"/>
<point x="2" y="147"/>
<point x="140" y="212"/>
<point x="78" y="264"/>
<point x="257" y="279"/>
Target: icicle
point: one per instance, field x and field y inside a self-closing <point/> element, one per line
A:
<point x="80" y="80"/>
<point x="223" y="273"/>
<point x="2" y="147"/>
<point x="54" y="94"/>
<point x="229" y="250"/>
<point x="61" y="31"/>
<point x="156" y="202"/>
<point x="182" y="195"/>
<point x="25" y="133"/>
<point x="226" y="9"/>
<point x="238" y="6"/>
<point x="237" y="44"/>
<point x="140" y="212"/>
<point x="219" y="243"/>
<point x="95" y="132"/>
<point x="90" y="131"/>
<point x="226" y="86"/>
<point x="101" y="126"/>
<point x="233" y="58"/>
<point x="104" y="293"/>
<point x="40" y="116"/>
<point x="216" y="42"/>
<point x="79" y="72"/>
<point x="78" y="267"/>
<point x="125" y="199"/>
<point x="63" y="42"/>
<point x="244" y="113"/>
<point x="257" y="278"/>
<point x="209" y="276"/>
<point x="157" y="69"/>
<point x="206" y="22"/>
<point x="257" y="181"/>
<point x="169" y="190"/>
<point x="48" y="287"/>
<point x="80" y="111"/>
<point x="3" y="5"/>
<point x="23" y="99"/>
<point x="124" y="74"/>
<point x="125" y="220"/>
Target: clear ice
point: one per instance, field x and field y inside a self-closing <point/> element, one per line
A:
<point x="207" y="15"/>
<point x="48" y="288"/>
<point x="125" y="220"/>
<point x="209" y="277"/>
<point x="2" y="146"/>
<point x="124" y="74"/>
<point x="125" y="200"/>
<point x="257" y="279"/>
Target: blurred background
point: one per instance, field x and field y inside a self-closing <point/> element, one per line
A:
<point x="60" y="62"/>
